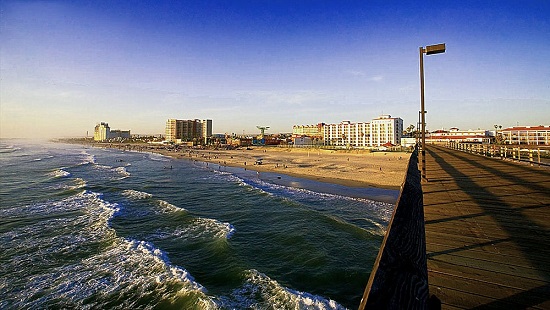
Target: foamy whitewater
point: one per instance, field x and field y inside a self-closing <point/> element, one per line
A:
<point x="90" y="228"/>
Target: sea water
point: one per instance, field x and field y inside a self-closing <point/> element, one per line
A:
<point x="84" y="227"/>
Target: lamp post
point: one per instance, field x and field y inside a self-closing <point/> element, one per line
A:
<point x="428" y="50"/>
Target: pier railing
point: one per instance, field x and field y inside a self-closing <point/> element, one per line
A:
<point x="535" y="157"/>
<point x="399" y="279"/>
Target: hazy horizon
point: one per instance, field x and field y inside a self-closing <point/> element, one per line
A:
<point x="65" y="66"/>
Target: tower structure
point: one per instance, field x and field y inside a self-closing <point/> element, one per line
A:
<point x="262" y="131"/>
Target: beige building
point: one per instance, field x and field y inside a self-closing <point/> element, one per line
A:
<point x="102" y="132"/>
<point x="178" y="131"/>
<point x="312" y="131"/>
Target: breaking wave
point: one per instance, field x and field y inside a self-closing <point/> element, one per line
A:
<point x="261" y="292"/>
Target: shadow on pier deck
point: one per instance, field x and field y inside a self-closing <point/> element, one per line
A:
<point x="487" y="224"/>
<point x="476" y="236"/>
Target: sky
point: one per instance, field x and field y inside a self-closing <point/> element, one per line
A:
<point x="67" y="65"/>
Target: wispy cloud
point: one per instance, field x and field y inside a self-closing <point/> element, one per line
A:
<point x="356" y="73"/>
<point x="376" y="78"/>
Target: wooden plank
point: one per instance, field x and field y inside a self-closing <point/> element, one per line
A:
<point x="490" y="266"/>
<point x="488" y="293"/>
<point x="487" y="232"/>
<point x="494" y="256"/>
<point x="481" y="275"/>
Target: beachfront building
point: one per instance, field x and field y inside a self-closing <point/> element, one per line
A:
<point x="102" y="132"/>
<point x="120" y="134"/>
<point x="178" y="131"/>
<point x="386" y="130"/>
<point x="531" y="135"/>
<point x="456" y="135"/>
<point x="306" y="135"/>
<point x="312" y="131"/>
<point x="206" y="128"/>
<point x="382" y="131"/>
<point x="347" y="134"/>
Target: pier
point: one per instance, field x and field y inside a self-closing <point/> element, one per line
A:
<point x="485" y="226"/>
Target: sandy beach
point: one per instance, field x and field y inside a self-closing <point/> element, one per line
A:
<point x="355" y="168"/>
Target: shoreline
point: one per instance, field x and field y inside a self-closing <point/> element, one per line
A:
<point x="384" y="170"/>
<point x="350" y="168"/>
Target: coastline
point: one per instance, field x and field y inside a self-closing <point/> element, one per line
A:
<point x="350" y="168"/>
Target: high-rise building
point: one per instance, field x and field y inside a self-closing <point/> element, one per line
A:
<point x="386" y="129"/>
<point x="206" y="128"/>
<point x="178" y="130"/>
<point x="102" y="132"/>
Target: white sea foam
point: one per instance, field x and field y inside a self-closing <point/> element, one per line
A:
<point x="261" y="292"/>
<point x="59" y="173"/>
<point x="122" y="171"/>
<point x="216" y="228"/>
<point x="87" y="158"/>
<point x="382" y="210"/>
<point x="124" y="270"/>
<point x="200" y="228"/>
<point x="78" y="202"/>
<point x="168" y="207"/>
<point x="161" y="259"/>
<point x="42" y="158"/>
<point x="8" y="148"/>
<point x="78" y="183"/>
<point x="104" y="167"/>
<point x="136" y="195"/>
<point x="159" y="157"/>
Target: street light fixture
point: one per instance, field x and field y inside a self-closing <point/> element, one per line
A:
<point x="428" y="50"/>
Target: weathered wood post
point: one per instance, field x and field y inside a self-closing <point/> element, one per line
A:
<point x="399" y="279"/>
<point x="531" y="158"/>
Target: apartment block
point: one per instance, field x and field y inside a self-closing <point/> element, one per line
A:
<point x="187" y="130"/>
<point x="380" y="131"/>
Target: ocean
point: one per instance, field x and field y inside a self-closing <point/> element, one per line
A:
<point x="84" y="227"/>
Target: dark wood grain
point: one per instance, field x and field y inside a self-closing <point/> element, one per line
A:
<point x="399" y="279"/>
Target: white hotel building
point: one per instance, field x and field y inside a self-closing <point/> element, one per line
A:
<point x="381" y="131"/>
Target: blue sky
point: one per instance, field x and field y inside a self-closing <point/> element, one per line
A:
<point x="66" y="65"/>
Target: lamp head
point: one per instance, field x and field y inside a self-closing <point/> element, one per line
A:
<point x="435" y="49"/>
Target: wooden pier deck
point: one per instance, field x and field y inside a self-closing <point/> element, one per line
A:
<point x="487" y="225"/>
